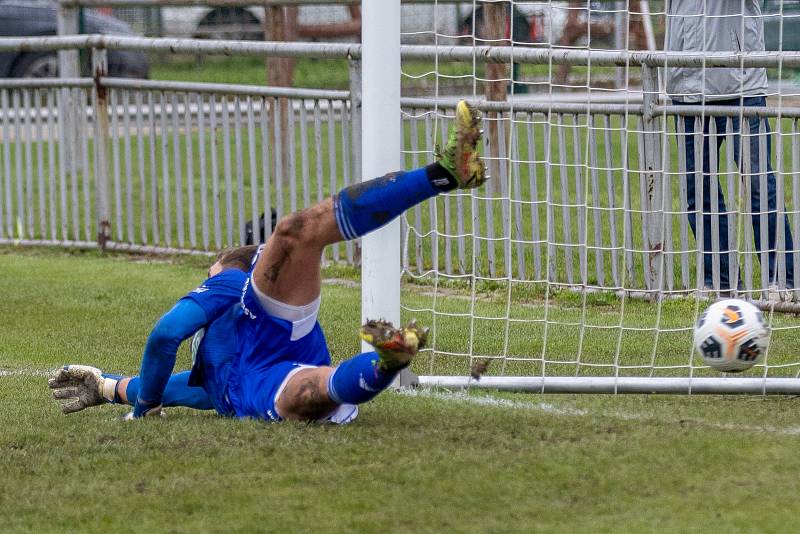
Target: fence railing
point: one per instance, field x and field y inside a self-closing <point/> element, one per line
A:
<point x="167" y="166"/>
<point x="180" y="166"/>
<point x="597" y="196"/>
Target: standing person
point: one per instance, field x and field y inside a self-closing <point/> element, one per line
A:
<point x="725" y="26"/>
<point x="265" y="356"/>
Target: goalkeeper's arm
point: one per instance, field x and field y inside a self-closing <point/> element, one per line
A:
<point x="158" y="361"/>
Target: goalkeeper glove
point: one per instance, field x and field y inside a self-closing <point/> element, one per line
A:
<point x="82" y="387"/>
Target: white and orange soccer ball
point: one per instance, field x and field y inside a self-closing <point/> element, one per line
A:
<point x="731" y="335"/>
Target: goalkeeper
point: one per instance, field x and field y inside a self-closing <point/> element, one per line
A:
<point x="262" y="353"/>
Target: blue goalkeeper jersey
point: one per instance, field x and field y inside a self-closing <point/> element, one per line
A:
<point x="243" y="352"/>
<point x="215" y="296"/>
<point x="219" y="292"/>
<point x="199" y="308"/>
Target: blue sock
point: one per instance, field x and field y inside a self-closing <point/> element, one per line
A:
<point x="177" y="393"/>
<point x="116" y="400"/>
<point x="364" y="207"/>
<point x="358" y="380"/>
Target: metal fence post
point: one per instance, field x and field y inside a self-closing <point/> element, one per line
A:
<point x="67" y="23"/>
<point x="355" y="117"/>
<point x="101" y="138"/>
<point x="354" y="154"/>
<point x="621" y="26"/>
<point x="653" y="201"/>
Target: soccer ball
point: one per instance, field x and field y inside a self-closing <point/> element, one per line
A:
<point x="731" y="335"/>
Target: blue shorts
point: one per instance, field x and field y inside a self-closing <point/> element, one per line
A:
<point x="266" y="387"/>
<point x="254" y="394"/>
<point x="247" y="354"/>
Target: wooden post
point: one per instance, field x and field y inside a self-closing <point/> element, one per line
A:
<point x="278" y="26"/>
<point x="493" y="31"/>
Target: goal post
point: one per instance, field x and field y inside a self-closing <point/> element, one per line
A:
<point x="380" y="143"/>
<point x="576" y="268"/>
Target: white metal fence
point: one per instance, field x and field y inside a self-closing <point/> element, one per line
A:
<point x="173" y="166"/>
<point x="584" y="195"/>
<point x="145" y="165"/>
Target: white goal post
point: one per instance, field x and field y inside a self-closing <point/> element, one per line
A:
<point x="380" y="137"/>
<point x="576" y="268"/>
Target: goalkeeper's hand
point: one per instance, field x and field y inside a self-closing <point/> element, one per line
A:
<point x="81" y="386"/>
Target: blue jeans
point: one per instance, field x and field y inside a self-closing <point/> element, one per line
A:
<point x="755" y="194"/>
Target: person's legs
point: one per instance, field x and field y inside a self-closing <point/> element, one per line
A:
<point x="719" y="214"/>
<point x="705" y="242"/>
<point x="288" y="270"/>
<point x="771" y="204"/>
<point x="313" y="393"/>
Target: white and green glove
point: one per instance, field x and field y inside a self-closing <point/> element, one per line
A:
<point x="82" y="387"/>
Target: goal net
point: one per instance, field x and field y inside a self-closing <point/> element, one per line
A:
<point x="577" y="267"/>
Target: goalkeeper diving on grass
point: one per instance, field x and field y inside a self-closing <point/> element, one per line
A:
<point x="259" y="351"/>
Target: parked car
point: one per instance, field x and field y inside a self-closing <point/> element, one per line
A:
<point x="246" y="22"/>
<point x="33" y="18"/>
<point x="238" y="23"/>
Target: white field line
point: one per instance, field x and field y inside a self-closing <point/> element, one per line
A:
<point x="567" y="411"/>
<point x="38" y="373"/>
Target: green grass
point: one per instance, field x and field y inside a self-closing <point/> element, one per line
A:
<point x="309" y="73"/>
<point x="429" y="462"/>
<point x="334" y="74"/>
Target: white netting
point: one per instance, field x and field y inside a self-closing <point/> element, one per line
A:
<point x="578" y="258"/>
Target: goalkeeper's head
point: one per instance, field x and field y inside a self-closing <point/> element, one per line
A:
<point x="233" y="258"/>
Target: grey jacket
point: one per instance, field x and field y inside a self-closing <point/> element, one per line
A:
<point x="723" y="28"/>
